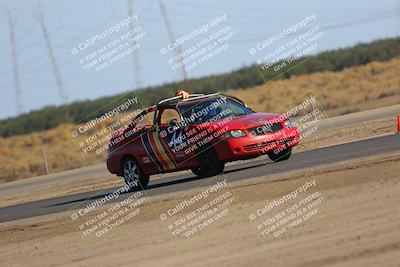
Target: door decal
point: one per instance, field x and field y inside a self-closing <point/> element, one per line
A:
<point x="156" y="151"/>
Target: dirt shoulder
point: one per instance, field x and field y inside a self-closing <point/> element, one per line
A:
<point x="356" y="224"/>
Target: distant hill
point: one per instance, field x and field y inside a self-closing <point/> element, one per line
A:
<point x="82" y="111"/>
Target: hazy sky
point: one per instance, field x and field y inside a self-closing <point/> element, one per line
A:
<point x="71" y="22"/>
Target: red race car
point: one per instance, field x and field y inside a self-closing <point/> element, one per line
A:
<point x="197" y="132"/>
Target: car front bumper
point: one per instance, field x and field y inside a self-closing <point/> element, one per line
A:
<point x="253" y="146"/>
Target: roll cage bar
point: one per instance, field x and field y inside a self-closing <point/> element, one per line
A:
<point x="197" y="96"/>
<point x="177" y="99"/>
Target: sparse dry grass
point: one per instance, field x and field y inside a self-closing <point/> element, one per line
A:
<point x="338" y="93"/>
<point x="21" y="156"/>
<point x="354" y="89"/>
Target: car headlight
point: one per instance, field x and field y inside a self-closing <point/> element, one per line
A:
<point x="289" y="123"/>
<point x="234" y="133"/>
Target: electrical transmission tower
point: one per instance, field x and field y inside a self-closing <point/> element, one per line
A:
<point x="17" y="85"/>
<point x="60" y="84"/>
<point x="136" y="62"/>
<point x="179" y="50"/>
<point x="138" y="72"/>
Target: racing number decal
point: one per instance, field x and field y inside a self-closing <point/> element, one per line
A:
<point x="176" y="141"/>
<point x="156" y="151"/>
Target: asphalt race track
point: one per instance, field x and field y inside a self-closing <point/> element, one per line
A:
<point x="298" y="161"/>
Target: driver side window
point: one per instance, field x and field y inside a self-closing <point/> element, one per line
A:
<point x="169" y="114"/>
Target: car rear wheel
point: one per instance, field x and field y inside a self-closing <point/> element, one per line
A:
<point x="197" y="171"/>
<point x="209" y="164"/>
<point x="281" y="155"/>
<point x="133" y="175"/>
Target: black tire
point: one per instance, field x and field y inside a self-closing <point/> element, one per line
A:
<point x="281" y="155"/>
<point x="133" y="175"/>
<point x="196" y="171"/>
<point x="209" y="164"/>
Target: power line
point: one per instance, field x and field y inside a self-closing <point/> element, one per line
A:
<point x="323" y="27"/>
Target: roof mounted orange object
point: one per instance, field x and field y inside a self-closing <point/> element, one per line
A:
<point x="182" y="93"/>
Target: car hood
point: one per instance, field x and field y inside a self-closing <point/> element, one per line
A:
<point x="253" y="120"/>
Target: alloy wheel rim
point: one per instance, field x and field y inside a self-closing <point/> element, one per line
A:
<point x="131" y="172"/>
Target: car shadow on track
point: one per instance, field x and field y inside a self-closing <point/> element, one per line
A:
<point x="247" y="167"/>
<point x="177" y="180"/>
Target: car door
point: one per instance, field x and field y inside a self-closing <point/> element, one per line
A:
<point x="171" y="133"/>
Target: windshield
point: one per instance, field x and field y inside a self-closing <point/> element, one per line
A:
<point x="211" y="110"/>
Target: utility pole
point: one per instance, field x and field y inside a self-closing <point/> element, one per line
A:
<point x="60" y="84"/>
<point x="138" y="73"/>
<point x="171" y="35"/>
<point x="17" y="85"/>
<point x="46" y="167"/>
